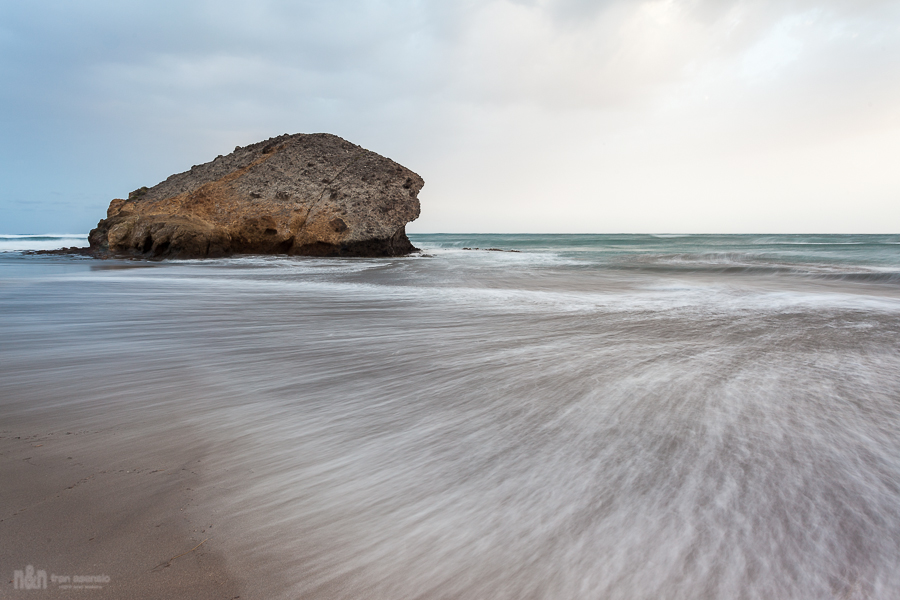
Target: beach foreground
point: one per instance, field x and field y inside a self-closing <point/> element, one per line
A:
<point x="80" y="505"/>
<point x="616" y="417"/>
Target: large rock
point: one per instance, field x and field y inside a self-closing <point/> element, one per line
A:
<point x="312" y="194"/>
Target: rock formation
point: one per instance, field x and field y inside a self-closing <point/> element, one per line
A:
<point x="313" y="194"/>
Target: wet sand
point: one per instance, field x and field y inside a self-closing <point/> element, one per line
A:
<point x="79" y="502"/>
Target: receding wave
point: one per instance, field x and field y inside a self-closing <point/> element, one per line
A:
<point x="748" y="264"/>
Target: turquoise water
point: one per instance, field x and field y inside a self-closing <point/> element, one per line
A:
<point x="800" y="253"/>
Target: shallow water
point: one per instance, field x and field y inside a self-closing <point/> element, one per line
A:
<point x="591" y="417"/>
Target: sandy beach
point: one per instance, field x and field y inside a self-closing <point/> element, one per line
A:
<point x="90" y="502"/>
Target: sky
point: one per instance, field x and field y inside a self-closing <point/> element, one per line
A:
<point x="558" y="116"/>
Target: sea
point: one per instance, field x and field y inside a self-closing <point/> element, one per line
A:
<point x="501" y="416"/>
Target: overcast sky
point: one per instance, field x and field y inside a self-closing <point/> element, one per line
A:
<point x="521" y="115"/>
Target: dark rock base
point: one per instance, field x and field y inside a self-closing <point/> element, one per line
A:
<point x="398" y="245"/>
<point x="73" y="251"/>
<point x="174" y="240"/>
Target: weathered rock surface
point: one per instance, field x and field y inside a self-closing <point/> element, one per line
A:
<point x="314" y="194"/>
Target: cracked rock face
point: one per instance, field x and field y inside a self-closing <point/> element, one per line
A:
<point x="314" y="194"/>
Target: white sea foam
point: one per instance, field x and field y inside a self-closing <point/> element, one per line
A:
<point x="48" y="241"/>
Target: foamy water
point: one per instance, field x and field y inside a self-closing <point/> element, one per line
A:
<point x="592" y="417"/>
<point x="48" y="241"/>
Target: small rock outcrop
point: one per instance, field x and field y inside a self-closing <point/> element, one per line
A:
<point x="302" y="194"/>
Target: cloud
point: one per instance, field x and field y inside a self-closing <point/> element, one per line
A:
<point x="499" y="103"/>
